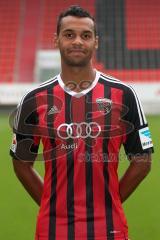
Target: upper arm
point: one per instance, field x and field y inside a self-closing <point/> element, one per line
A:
<point x="138" y="138"/>
<point x="141" y="163"/>
<point x="25" y="141"/>
<point x="145" y="158"/>
<point x="22" y="168"/>
<point x="17" y="164"/>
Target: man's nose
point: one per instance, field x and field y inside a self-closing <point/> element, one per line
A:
<point x="77" y="40"/>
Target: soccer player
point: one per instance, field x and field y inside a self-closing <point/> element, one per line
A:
<point x="82" y="117"/>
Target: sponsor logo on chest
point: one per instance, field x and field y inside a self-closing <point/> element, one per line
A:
<point x="69" y="146"/>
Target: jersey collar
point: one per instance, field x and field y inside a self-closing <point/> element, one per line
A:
<point x="82" y="93"/>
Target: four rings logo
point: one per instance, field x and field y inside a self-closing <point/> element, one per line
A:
<point x="78" y="130"/>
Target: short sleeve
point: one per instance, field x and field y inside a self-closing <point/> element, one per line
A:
<point x="25" y="142"/>
<point x="138" y="137"/>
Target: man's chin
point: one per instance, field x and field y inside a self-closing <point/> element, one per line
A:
<point x="77" y="63"/>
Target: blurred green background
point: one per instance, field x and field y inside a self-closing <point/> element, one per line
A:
<point x="18" y="211"/>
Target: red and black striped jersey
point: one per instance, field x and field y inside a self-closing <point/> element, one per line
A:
<point x="81" y="135"/>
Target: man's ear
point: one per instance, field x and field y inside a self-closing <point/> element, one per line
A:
<point x="96" y="42"/>
<point x="55" y="40"/>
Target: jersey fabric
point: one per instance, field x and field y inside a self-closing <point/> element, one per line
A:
<point x="81" y="135"/>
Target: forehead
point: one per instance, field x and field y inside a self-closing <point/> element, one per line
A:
<point x="77" y="24"/>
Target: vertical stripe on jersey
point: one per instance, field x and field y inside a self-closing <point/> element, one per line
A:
<point x="50" y="120"/>
<point x="89" y="172"/>
<point x="114" y="145"/>
<point x="61" y="166"/>
<point x="78" y="116"/>
<point x="108" y="199"/>
<point x="70" y="172"/>
<point x="100" y="229"/>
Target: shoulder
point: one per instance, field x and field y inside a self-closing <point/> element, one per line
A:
<point x="115" y="82"/>
<point x="39" y="89"/>
<point x="28" y="105"/>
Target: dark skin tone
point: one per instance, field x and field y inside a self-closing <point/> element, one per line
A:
<point x="77" y="43"/>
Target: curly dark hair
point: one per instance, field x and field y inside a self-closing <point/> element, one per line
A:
<point x="75" y="11"/>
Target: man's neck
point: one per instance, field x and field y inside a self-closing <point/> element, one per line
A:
<point x="78" y="76"/>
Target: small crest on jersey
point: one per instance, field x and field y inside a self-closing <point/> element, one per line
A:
<point x="14" y="143"/>
<point x="104" y="104"/>
<point x="145" y="138"/>
<point x="53" y="110"/>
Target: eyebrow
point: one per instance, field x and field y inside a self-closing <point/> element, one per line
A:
<point x="71" y="30"/>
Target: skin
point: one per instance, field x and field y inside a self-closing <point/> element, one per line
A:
<point x="77" y="44"/>
<point x="138" y="169"/>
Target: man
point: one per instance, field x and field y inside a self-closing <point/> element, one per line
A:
<point x="82" y="118"/>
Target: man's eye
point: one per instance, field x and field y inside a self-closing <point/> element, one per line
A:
<point x="68" y="35"/>
<point x="86" y="36"/>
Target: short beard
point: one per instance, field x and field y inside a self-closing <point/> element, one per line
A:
<point x="73" y="63"/>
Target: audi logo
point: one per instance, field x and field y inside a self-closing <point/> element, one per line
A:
<point x="78" y="130"/>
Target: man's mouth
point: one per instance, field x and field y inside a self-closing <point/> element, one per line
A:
<point x="77" y="51"/>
